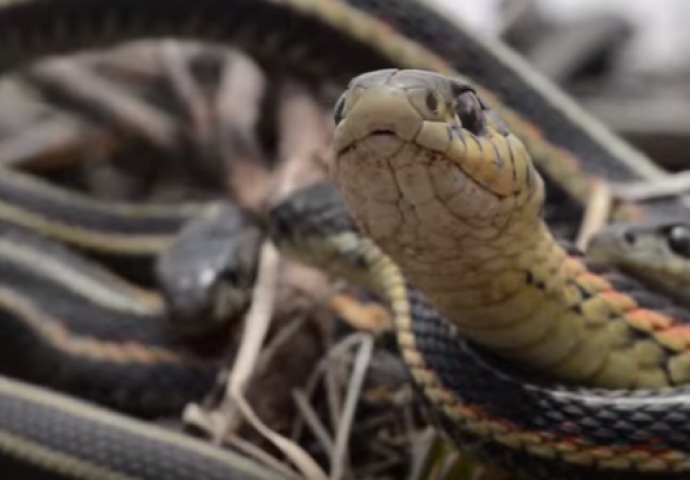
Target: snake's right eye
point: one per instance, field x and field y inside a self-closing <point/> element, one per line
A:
<point x="339" y="109"/>
<point x="679" y="241"/>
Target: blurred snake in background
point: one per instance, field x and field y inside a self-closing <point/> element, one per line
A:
<point x="521" y="350"/>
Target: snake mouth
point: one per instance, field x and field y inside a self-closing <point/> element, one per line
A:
<point x="382" y="132"/>
<point x="380" y="135"/>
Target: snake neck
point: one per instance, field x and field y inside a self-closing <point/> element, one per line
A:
<point x="506" y="294"/>
<point x="538" y="305"/>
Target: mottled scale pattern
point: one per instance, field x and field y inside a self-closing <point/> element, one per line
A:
<point x="651" y="422"/>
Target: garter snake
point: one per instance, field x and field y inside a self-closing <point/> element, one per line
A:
<point x="655" y="250"/>
<point x="281" y="33"/>
<point x="545" y="429"/>
<point x="127" y="236"/>
<point x="206" y="274"/>
<point x="72" y="326"/>
<point x="442" y="187"/>
<point x="48" y="436"/>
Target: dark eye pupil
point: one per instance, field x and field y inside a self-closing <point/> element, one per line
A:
<point x="469" y="112"/>
<point x="679" y="241"/>
<point x="431" y="102"/>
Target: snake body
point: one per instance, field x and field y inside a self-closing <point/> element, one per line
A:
<point x="539" y="427"/>
<point x="435" y="179"/>
<point x="491" y="409"/>
<point x="126" y="236"/>
<point x="70" y="325"/>
<point x="368" y="34"/>
<point x="48" y="436"/>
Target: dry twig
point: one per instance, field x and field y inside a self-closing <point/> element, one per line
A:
<point x="354" y="388"/>
<point x="596" y="215"/>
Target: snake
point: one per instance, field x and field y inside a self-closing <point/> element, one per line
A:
<point x="125" y="236"/>
<point x="207" y="272"/>
<point x="81" y="332"/>
<point x="47" y="436"/>
<point x="436" y="181"/>
<point x="73" y="326"/>
<point x="569" y="147"/>
<point x="655" y="251"/>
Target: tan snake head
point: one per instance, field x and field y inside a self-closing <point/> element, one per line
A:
<point x="434" y="177"/>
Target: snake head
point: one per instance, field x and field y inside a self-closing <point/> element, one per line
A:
<point x="398" y="104"/>
<point x="418" y="154"/>
<point x="654" y="251"/>
<point x="207" y="273"/>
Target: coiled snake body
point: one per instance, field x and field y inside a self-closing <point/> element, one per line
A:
<point x="452" y="199"/>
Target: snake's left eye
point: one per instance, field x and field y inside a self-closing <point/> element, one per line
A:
<point x="339" y="109"/>
<point x="679" y="241"/>
<point x="470" y="112"/>
<point x="431" y="102"/>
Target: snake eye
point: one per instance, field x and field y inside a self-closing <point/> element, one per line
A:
<point x="339" y="109"/>
<point x="470" y="112"/>
<point x="679" y="241"/>
<point x="431" y="102"/>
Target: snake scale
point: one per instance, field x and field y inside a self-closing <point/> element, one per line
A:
<point x="547" y="429"/>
